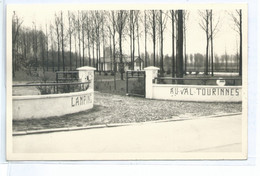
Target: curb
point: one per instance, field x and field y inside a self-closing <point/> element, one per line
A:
<point x="21" y="133"/>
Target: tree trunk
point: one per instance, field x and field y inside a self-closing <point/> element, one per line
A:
<point x="240" y="44"/>
<point x="133" y="36"/>
<point x="76" y="54"/>
<point x="62" y="43"/>
<point x="145" y="40"/>
<point x="97" y="66"/>
<point x="131" y="40"/>
<point x="104" y="48"/>
<point x="83" y="46"/>
<point x="110" y="48"/>
<point x="99" y="57"/>
<point x="184" y="37"/>
<point x="161" y="30"/>
<point x="211" y="38"/>
<point x="180" y="46"/>
<point x="121" y="58"/>
<point x="114" y="51"/>
<point x="207" y="55"/>
<point x="79" y="41"/>
<point x="43" y="51"/>
<point x="36" y="49"/>
<point x="70" y="33"/>
<point x="52" y="55"/>
<point x="93" y="53"/>
<point x="173" y="48"/>
<point x="70" y="54"/>
<point x="154" y="39"/>
<point x="47" y="54"/>
<point x="58" y="43"/>
<point x="138" y="44"/>
<point x="89" y="55"/>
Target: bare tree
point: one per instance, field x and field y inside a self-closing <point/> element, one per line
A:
<point x="112" y="31"/>
<point x="57" y="30"/>
<point x="134" y="17"/>
<point x="42" y="46"/>
<point x="138" y="37"/>
<point x="35" y="44"/>
<point x="162" y="23"/>
<point x="103" y="22"/>
<point x="120" y="26"/>
<point x="204" y="24"/>
<point x="25" y="38"/>
<point x="152" y="20"/>
<point x="83" y="28"/>
<point x="213" y="31"/>
<point x="16" y="25"/>
<point x="52" y="45"/>
<point x="97" y="25"/>
<point x="211" y="39"/>
<point x="93" y="32"/>
<point x="62" y="40"/>
<point x="131" y="30"/>
<point x="145" y="36"/>
<point x="78" y="28"/>
<point x="185" y="18"/>
<point x="237" y="18"/>
<point x="89" y="37"/>
<point x="47" y="48"/>
<point x="70" y="32"/>
<point x="173" y="48"/>
<point x="179" y="61"/>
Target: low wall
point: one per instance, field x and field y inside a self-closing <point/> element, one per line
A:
<point x="197" y="93"/>
<point x="42" y="106"/>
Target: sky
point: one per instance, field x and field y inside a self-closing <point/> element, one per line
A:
<point x="226" y="39"/>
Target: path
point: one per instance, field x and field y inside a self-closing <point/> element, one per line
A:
<point x="222" y="134"/>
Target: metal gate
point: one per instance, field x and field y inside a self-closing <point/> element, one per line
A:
<point x="135" y="83"/>
<point x="68" y="77"/>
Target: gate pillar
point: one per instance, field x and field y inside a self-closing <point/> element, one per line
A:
<point x="87" y="74"/>
<point x="150" y="74"/>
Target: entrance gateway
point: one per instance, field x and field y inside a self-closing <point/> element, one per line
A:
<point x="135" y="83"/>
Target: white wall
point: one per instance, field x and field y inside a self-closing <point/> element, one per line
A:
<point x="197" y="93"/>
<point x="42" y="106"/>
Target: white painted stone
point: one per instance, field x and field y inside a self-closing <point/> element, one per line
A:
<point x="87" y="74"/>
<point x="150" y="74"/>
<point x="221" y="82"/>
<point x="197" y="93"/>
<point x="200" y="93"/>
<point x="42" y="106"/>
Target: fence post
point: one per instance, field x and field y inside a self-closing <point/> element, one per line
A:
<point x="127" y="82"/>
<point x="87" y="74"/>
<point x="150" y="74"/>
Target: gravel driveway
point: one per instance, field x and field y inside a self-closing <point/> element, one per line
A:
<point x="110" y="108"/>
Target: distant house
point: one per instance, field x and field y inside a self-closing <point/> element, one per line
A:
<point x="108" y="64"/>
<point x="138" y="63"/>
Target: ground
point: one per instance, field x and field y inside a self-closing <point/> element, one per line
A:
<point x="109" y="108"/>
<point x="208" y="138"/>
<point x="112" y="106"/>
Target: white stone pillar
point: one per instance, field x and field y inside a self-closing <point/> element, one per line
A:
<point x="87" y="74"/>
<point x="150" y="74"/>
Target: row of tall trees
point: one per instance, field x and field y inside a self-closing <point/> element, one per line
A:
<point x="196" y="63"/>
<point x="81" y="36"/>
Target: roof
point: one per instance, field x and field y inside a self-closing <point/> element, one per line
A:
<point x="126" y="59"/>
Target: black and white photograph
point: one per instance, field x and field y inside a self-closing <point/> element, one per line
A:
<point x="126" y="82"/>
